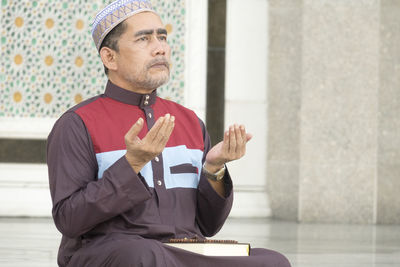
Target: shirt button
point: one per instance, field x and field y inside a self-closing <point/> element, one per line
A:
<point x="159" y="182"/>
<point x="149" y="115"/>
<point x="147" y="97"/>
<point x="157" y="159"/>
<point x="146" y="102"/>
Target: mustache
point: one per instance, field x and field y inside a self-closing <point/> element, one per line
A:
<point x="158" y="61"/>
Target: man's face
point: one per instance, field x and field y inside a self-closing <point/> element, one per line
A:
<point x="144" y="54"/>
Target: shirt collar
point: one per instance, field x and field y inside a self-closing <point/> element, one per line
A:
<point x="128" y="97"/>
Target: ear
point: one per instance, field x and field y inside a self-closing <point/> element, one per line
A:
<point x="108" y="56"/>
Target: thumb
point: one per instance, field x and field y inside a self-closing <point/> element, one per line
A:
<point x="134" y="130"/>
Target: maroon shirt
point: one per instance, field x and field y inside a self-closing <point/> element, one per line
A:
<point x="95" y="191"/>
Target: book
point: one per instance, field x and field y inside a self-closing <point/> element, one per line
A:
<point x="211" y="247"/>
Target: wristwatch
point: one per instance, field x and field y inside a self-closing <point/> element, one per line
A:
<point x="215" y="176"/>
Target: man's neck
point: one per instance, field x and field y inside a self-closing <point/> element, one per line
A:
<point x="128" y="86"/>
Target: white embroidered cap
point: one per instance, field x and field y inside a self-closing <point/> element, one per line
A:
<point x="113" y="14"/>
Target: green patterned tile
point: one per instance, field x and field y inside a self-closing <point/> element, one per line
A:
<point x="49" y="62"/>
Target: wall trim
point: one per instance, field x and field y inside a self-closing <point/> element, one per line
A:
<point x="26" y="128"/>
<point x="24" y="190"/>
<point x="250" y="202"/>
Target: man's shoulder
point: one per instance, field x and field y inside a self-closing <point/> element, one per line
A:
<point x="85" y="104"/>
<point x="73" y="116"/>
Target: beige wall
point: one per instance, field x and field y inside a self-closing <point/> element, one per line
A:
<point x="388" y="186"/>
<point x="333" y="111"/>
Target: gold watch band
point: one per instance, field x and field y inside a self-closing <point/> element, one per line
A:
<point x="217" y="176"/>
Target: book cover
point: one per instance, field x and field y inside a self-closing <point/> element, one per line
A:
<point x="210" y="247"/>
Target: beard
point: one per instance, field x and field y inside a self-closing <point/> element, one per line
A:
<point x="147" y="79"/>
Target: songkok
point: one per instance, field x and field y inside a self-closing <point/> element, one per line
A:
<point x="113" y="14"/>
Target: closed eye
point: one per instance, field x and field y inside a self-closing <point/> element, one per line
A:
<point x="162" y="38"/>
<point x="143" y="39"/>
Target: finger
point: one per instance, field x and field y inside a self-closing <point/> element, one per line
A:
<point x="246" y="136"/>
<point x="134" y="130"/>
<point x="165" y="131"/>
<point x="171" y="126"/>
<point x="152" y="134"/>
<point x="241" y="150"/>
<point x="232" y="140"/>
<point x="225" y="143"/>
<point x="168" y="131"/>
<point x="239" y="139"/>
<point x="161" y="132"/>
<point x="243" y="134"/>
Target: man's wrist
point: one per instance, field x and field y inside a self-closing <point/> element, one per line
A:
<point x="136" y="167"/>
<point x="216" y="174"/>
<point x="211" y="168"/>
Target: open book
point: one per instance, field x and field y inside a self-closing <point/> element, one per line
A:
<point x="211" y="247"/>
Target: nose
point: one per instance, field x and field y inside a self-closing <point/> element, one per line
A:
<point x="160" y="47"/>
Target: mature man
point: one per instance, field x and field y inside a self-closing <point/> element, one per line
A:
<point x="129" y="170"/>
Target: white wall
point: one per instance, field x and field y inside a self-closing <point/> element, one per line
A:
<point x="246" y="100"/>
<point x="196" y="56"/>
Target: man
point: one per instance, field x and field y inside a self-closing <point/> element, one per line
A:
<point x="129" y="170"/>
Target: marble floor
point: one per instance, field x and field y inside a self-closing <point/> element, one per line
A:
<point x="34" y="241"/>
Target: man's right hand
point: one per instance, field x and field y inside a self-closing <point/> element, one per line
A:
<point x="140" y="151"/>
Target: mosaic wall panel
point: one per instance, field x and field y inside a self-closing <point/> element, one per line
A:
<point x="49" y="62"/>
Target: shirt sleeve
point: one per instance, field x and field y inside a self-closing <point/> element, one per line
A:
<point x="80" y="200"/>
<point x="212" y="209"/>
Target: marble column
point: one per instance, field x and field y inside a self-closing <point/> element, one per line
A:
<point x="284" y="92"/>
<point x="388" y="202"/>
<point x="333" y="110"/>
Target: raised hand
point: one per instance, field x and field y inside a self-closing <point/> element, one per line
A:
<point x="140" y="151"/>
<point x="232" y="147"/>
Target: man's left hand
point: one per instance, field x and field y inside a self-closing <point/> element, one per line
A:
<point x="233" y="147"/>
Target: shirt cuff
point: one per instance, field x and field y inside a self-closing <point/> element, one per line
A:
<point x="132" y="185"/>
<point x="206" y="188"/>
